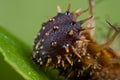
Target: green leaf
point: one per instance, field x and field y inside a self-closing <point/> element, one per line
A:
<point x="18" y="55"/>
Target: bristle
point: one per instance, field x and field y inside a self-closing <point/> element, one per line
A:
<point x="68" y="7"/>
<point x="68" y="59"/>
<point x="59" y="59"/>
<point x="75" y="52"/>
<point x="74" y="17"/>
<point x="85" y="20"/>
<point x="59" y="10"/>
<point x="79" y="12"/>
<point x="91" y="4"/>
<point x="66" y="47"/>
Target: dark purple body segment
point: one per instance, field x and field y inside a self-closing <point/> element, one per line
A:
<point x="56" y="35"/>
<point x="61" y="37"/>
<point x="61" y="18"/>
<point x="53" y="45"/>
<point x="64" y="44"/>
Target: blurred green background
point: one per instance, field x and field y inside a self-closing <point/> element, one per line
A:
<point x="23" y="18"/>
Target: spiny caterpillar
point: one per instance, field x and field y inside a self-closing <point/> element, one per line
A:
<point x="63" y="43"/>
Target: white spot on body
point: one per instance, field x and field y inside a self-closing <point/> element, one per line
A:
<point x="37" y="52"/>
<point x="43" y="53"/>
<point x="41" y="47"/>
<point x="39" y="60"/>
<point x="46" y="34"/>
<point x="79" y="60"/>
<point x="41" y="63"/>
<point x="55" y="27"/>
<point x="54" y="44"/>
<point x="42" y="40"/>
<point x="43" y="28"/>
<point x="52" y="19"/>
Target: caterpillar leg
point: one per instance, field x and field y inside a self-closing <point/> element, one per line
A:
<point x="109" y="41"/>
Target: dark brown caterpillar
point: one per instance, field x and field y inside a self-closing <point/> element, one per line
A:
<point x="56" y="37"/>
<point x="63" y="43"/>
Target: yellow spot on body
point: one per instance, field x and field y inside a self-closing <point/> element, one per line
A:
<point x="71" y="33"/>
<point x="49" y="60"/>
<point x="59" y="59"/>
<point x="67" y="48"/>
